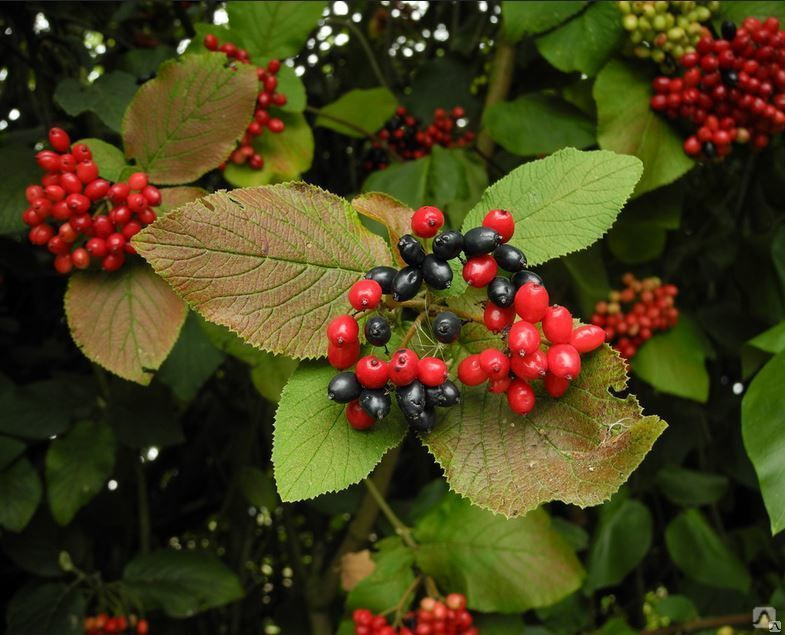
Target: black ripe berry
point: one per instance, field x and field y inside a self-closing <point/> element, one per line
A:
<point x="411" y="250"/>
<point x="446" y="327"/>
<point x="729" y="78"/>
<point x="424" y="422"/>
<point x="522" y="277"/>
<point x="443" y="396"/>
<point x="411" y="399"/>
<point x="728" y="30"/>
<point x="406" y="284"/>
<point x="710" y="150"/>
<point x="376" y="403"/>
<point x="480" y="240"/>
<point x="384" y="276"/>
<point x="377" y="331"/>
<point x="501" y="292"/>
<point x="344" y="387"/>
<point x="448" y="245"/>
<point x="510" y="258"/>
<point x="436" y="273"/>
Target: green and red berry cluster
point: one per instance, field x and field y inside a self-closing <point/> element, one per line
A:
<point x="732" y="89"/>
<point x="433" y="617"/>
<point x="631" y="316"/>
<point x="662" y="30"/>
<point x="408" y="138"/>
<point x="66" y="213"/>
<point x="103" y="624"/>
<point x="268" y="96"/>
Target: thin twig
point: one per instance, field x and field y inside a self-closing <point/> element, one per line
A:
<point x="366" y="47"/>
<point x="402" y="530"/>
<point x="413" y="329"/>
<point x="498" y="88"/>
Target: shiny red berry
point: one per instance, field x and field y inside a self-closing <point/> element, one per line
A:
<point x="531" y="302"/>
<point x="520" y="397"/>
<point x="118" y="193"/>
<point x="97" y="189"/>
<point x="564" y="361"/>
<point x="372" y="372"/>
<point x="63" y="264"/>
<point x="496" y="318"/>
<point x="494" y="363"/>
<point x="365" y="294"/>
<point x="48" y="160"/>
<point x="87" y="171"/>
<point x="342" y="357"/>
<point x="502" y="221"/>
<point x="115" y="242"/>
<point x="531" y="366"/>
<point x="137" y="181"/>
<point x="523" y="338"/>
<point x="432" y="371"/>
<point x="427" y="221"/>
<point x="555" y="386"/>
<point x="470" y="371"/>
<point x="59" y="139"/>
<point x="557" y="324"/>
<point x="80" y="258"/>
<point x="97" y="247"/>
<point x="586" y="338"/>
<point x="342" y="330"/>
<point x="403" y="367"/>
<point x="480" y="270"/>
<point x="210" y="42"/>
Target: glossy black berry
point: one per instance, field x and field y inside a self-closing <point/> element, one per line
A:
<point x="728" y="30"/>
<point x="411" y="399"/>
<point x="411" y="250"/>
<point x="442" y="396"/>
<point x="522" y="277"/>
<point x="377" y="331"/>
<point x="376" y="403"/>
<point x="344" y="387"/>
<point x="436" y="273"/>
<point x="729" y="78"/>
<point x="480" y="240"/>
<point x="446" y="327"/>
<point x="424" y="422"/>
<point x="384" y="276"/>
<point x="510" y="258"/>
<point x="448" y="245"/>
<point x="710" y="150"/>
<point x="501" y="291"/>
<point x="406" y="284"/>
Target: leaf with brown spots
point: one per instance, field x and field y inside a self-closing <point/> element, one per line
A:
<point x="390" y="212"/>
<point x="273" y="263"/>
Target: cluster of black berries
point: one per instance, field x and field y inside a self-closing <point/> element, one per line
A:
<point x="407" y="137"/>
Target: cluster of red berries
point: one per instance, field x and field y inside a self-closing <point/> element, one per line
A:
<point x="103" y="624"/>
<point x="406" y="136"/>
<point x="268" y="84"/>
<point x="69" y="194"/>
<point x="433" y="617"/>
<point x="732" y="89"/>
<point x="631" y="316"/>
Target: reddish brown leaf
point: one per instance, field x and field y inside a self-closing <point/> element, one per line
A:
<point x="174" y="197"/>
<point x="390" y="212"/>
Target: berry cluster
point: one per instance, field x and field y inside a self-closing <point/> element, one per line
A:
<point x="732" y="89"/>
<point x="268" y="83"/>
<point x="407" y="137"/>
<point x="431" y="618"/>
<point x="664" y="31"/>
<point x="73" y="194"/>
<point x="103" y="624"/>
<point x="631" y="316"/>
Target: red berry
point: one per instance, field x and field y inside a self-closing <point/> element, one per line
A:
<point x="531" y="302"/>
<point x="137" y="202"/>
<point x="494" y="363"/>
<point x="54" y="193"/>
<point x="82" y="223"/>
<point x="342" y="357"/>
<point x="81" y="152"/>
<point x="502" y="221"/>
<point x="587" y="338"/>
<point x="499" y="385"/>
<point x="520" y="397"/>
<point x="70" y="183"/>
<point x="427" y="221"/>
<point x="102" y="226"/>
<point x="57" y="245"/>
<point x="564" y="361"/>
<point x="146" y="216"/>
<point x="497" y="318"/>
<point x="523" y="339"/>
<point x="118" y="193"/>
<point x="365" y="294"/>
<point x="78" y="203"/>
<point x="357" y="417"/>
<point x="67" y="233"/>
<point x="137" y="181"/>
<point x="33" y="193"/>
<point x="557" y="324"/>
<point x="555" y="386"/>
<point x="80" y="258"/>
<point x="152" y="194"/>
<point x="276" y="125"/>
<point x="362" y="617"/>
<point x="404" y="367"/>
<point x="342" y="330"/>
<point x="41" y="234"/>
<point x="692" y="146"/>
<point x="273" y="66"/>
<point x="470" y="371"/>
<point x="530" y="367"/>
<point x="115" y="242"/>
<point x="63" y="264"/>
<point x="48" y="160"/>
<point x="432" y="371"/>
<point x="142" y="627"/>
<point x="43" y="207"/>
<point x="97" y="247"/>
<point x="130" y="230"/>
<point x="480" y="270"/>
<point x="372" y="372"/>
<point x="87" y="171"/>
<point x="67" y="163"/>
<point x="61" y="211"/>
<point x="59" y="139"/>
<point x="210" y="42"/>
<point x="97" y="189"/>
<point x="120" y="215"/>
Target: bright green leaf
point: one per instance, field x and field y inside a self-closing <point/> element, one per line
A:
<point x="770" y="341"/>
<point x="292" y="86"/>
<point x="109" y="158"/>
<point x="77" y="467"/>
<point x="389" y="581"/>
<point x="53" y="609"/>
<point x="691" y="487"/>
<point x="108" y="97"/>
<point x="522" y="18"/>
<point x="20" y="491"/>
<point x="367" y="109"/>
<point x="736" y="10"/>
<point x="406" y="181"/>
<point x="18" y="167"/>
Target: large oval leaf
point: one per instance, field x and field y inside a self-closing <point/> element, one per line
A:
<point x="126" y="321"/>
<point x="272" y="263"/>
<point x="578" y="449"/>
<point x="562" y="203"/>
<point x="20" y="491"/>
<point x="187" y="120"/>
<point x="314" y="449"/>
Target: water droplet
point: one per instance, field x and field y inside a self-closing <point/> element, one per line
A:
<point x="591" y="468"/>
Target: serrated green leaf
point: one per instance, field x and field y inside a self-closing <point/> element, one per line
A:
<point x="389" y="581"/>
<point x="698" y="551"/>
<point x="10" y="449"/>
<point x="390" y="212"/>
<point x="286" y="155"/>
<point x="366" y="108"/>
<point x="505" y="566"/>
<point x="54" y="609"/>
<point x="18" y="167"/>
<point x="314" y="449"/>
<point x="675" y="362"/>
<point x="770" y="341"/>
<point x="407" y="181"/>
<point x="174" y="197"/>
<point x="186" y="121"/>
<point x="272" y="263"/>
<point x="763" y="430"/>
<point x="578" y="449"/>
<point x="126" y="321"/>
<point x="109" y="159"/>
<point x="586" y="42"/>
<point x="181" y="583"/>
<point x="108" y="97"/>
<point x="258" y="487"/>
<point x="522" y="18"/>
<point x="691" y="487"/>
<point x="20" y="491"/>
<point x="627" y="124"/>
<point x="77" y="466"/>
<point x="562" y="203"/>
<point x="538" y="124"/>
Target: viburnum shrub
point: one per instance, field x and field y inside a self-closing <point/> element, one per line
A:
<point x="408" y="138"/>
<point x="517" y="302"/>
<point x="269" y="95"/>
<point x="80" y="217"/>
<point x="631" y="316"/>
<point x="732" y="89"/>
<point x="432" y="617"/>
<point x="104" y="624"/>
